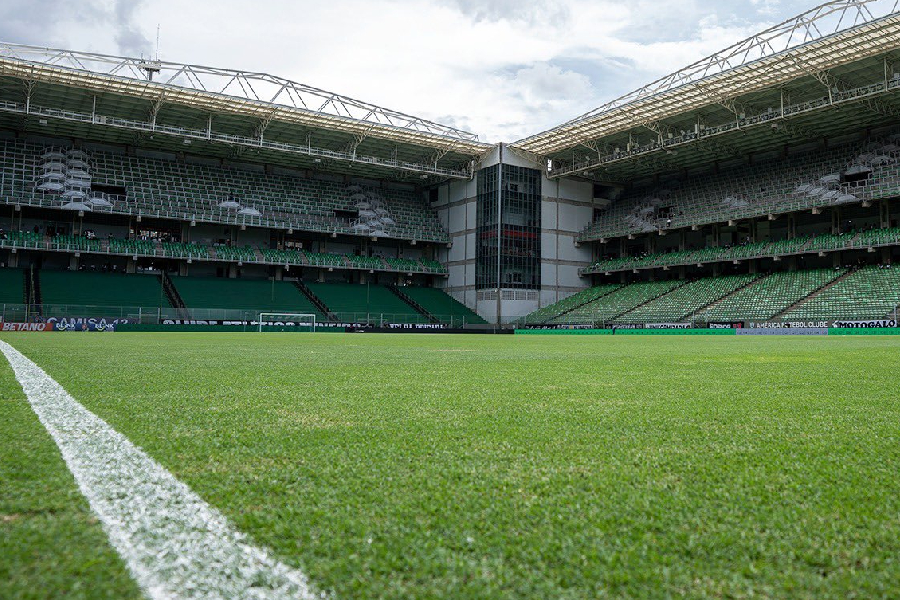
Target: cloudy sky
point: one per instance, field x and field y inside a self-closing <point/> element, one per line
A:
<point x="503" y="69"/>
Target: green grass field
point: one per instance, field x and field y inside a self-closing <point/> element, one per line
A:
<point x="432" y="466"/>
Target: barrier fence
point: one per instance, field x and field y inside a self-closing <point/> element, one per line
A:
<point x="138" y="315"/>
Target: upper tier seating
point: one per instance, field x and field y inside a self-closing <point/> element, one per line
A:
<point x="433" y="266"/>
<point x="365" y="262"/>
<point x="780" y="185"/>
<point x="443" y="306"/>
<point x="607" y="307"/>
<point x="101" y="289"/>
<point x="800" y="245"/>
<point x="287" y="257"/>
<point x="235" y="253"/>
<point x="685" y="300"/>
<point x="869" y="293"/>
<point x="12" y="286"/>
<point x="357" y="303"/>
<point x="23" y="239"/>
<point x="189" y="192"/>
<point x="769" y="296"/>
<point x="132" y="246"/>
<point x="185" y="250"/>
<point x="243" y="294"/>
<point x="878" y="237"/>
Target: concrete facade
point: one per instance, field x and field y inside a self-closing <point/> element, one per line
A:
<point x="566" y="207"/>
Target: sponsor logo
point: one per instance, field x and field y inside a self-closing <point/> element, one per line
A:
<point x="790" y="325"/>
<point x="733" y="325"/>
<point x="877" y="323"/>
<point x="559" y="327"/>
<point x="668" y="326"/>
<point x="783" y="331"/>
<point x="84" y="324"/>
<point x="26" y="327"/>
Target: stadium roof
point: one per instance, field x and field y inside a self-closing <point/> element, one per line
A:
<point x="823" y="73"/>
<point x="61" y="92"/>
<point x="838" y="56"/>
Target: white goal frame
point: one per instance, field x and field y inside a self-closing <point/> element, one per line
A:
<point x="261" y="318"/>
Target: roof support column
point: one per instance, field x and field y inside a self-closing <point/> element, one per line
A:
<point x="29" y="90"/>
<point x="154" y="110"/>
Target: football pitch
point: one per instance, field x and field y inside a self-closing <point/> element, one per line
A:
<point x="439" y="466"/>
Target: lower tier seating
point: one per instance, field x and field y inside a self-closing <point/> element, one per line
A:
<point x="869" y="293"/>
<point x="547" y="313"/>
<point x="354" y="302"/>
<point x="685" y="300"/>
<point x="101" y="289"/>
<point x="12" y="286"/>
<point x="817" y="294"/>
<point x="610" y="306"/>
<point x="442" y="306"/>
<point x="243" y="294"/>
<point x="770" y="295"/>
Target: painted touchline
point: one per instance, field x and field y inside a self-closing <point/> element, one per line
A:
<point x="174" y="544"/>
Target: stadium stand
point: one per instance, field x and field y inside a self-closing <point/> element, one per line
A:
<point x="351" y="302"/>
<point x="12" y="286"/>
<point x="182" y="250"/>
<point x="826" y="242"/>
<point x="184" y="191"/>
<point x="783" y="181"/>
<point x="235" y="253"/>
<point x="133" y="247"/>
<point x="255" y="295"/>
<point x="810" y="180"/>
<point x="815" y="294"/>
<point x="284" y="257"/>
<point x="22" y="239"/>
<point x="86" y="288"/>
<point x="769" y="296"/>
<point x="609" y="306"/>
<point x="442" y="306"/>
<point x="548" y="313"/>
<point x="868" y="293"/>
<point x="433" y="266"/>
<point x="683" y="301"/>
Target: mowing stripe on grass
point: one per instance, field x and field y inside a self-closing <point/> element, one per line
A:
<point x="175" y="544"/>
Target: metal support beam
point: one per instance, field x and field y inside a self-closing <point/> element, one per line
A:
<point x="155" y="106"/>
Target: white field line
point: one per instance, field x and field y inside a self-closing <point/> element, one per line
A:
<point x="174" y="543"/>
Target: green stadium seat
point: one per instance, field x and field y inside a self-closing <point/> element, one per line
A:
<point x="253" y="295"/>
<point x="86" y="288"/>
<point x="443" y="306"/>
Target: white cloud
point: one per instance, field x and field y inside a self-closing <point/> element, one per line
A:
<point x="501" y="68"/>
